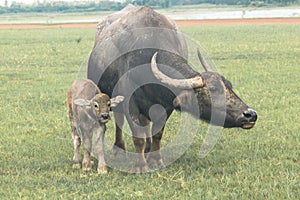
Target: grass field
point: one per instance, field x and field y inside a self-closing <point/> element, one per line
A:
<point x="37" y="67"/>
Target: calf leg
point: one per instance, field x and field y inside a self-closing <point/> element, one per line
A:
<point x="76" y="144"/>
<point x="87" y="148"/>
<point x="99" y="149"/>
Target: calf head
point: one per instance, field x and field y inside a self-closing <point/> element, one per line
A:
<point x="100" y="105"/>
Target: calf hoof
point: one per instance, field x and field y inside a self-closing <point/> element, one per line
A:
<point x="102" y="170"/>
<point x="86" y="165"/>
<point x="86" y="168"/>
<point x="76" y="166"/>
<point x="93" y="160"/>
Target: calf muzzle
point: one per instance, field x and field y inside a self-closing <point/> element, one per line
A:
<point x="105" y="116"/>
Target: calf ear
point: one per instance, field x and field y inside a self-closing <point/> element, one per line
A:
<point x="82" y="102"/>
<point x="116" y="100"/>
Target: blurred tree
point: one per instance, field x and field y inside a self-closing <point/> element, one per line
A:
<point x="113" y="6"/>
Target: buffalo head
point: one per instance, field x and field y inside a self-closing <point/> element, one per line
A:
<point x="212" y="94"/>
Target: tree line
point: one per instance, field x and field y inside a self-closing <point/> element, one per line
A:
<point x="114" y="6"/>
<point x="168" y="3"/>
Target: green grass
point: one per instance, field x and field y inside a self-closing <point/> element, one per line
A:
<point x="38" y="66"/>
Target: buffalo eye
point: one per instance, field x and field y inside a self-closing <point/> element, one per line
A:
<point x="213" y="89"/>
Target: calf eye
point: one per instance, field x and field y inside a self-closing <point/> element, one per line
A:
<point x="108" y="103"/>
<point x="96" y="105"/>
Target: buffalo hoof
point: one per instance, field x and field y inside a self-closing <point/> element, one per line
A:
<point x="156" y="164"/>
<point x="155" y="160"/>
<point x="141" y="169"/>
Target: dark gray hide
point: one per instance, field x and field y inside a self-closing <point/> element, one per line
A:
<point x="120" y="65"/>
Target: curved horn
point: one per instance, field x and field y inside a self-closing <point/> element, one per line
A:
<point x="203" y="62"/>
<point x="177" y="83"/>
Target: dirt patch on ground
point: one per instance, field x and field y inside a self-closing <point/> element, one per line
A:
<point x="30" y="26"/>
<point x="179" y="22"/>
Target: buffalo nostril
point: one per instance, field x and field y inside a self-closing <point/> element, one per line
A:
<point x="247" y="115"/>
<point x="250" y="114"/>
<point x="105" y="116"/>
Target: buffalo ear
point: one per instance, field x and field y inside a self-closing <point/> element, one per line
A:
<point x="116" y="100"/>
<point x="82" y="102"/>
<point x="177" y="103"/>
<point x="183" y="100"/>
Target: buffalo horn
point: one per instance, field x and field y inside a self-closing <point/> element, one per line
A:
<point x="203" y="62"/>
<point x="177" y="83"/>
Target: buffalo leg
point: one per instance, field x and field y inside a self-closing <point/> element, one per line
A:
<point x="140" y="132"/>
<point x="140" y="161"/>
<point x="139" y="126"/>
<point x="148" y="144"/>
<point x="119" y="144"/>
<point x="146" y="124"/>
<point x="154" y="157"/>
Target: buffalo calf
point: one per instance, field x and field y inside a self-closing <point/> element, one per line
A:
<point x="88" y="113"/>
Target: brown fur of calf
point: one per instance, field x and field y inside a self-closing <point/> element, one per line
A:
<point x="88" y="113"/>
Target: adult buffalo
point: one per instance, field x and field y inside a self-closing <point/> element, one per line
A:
<point x="141" y="55"/>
